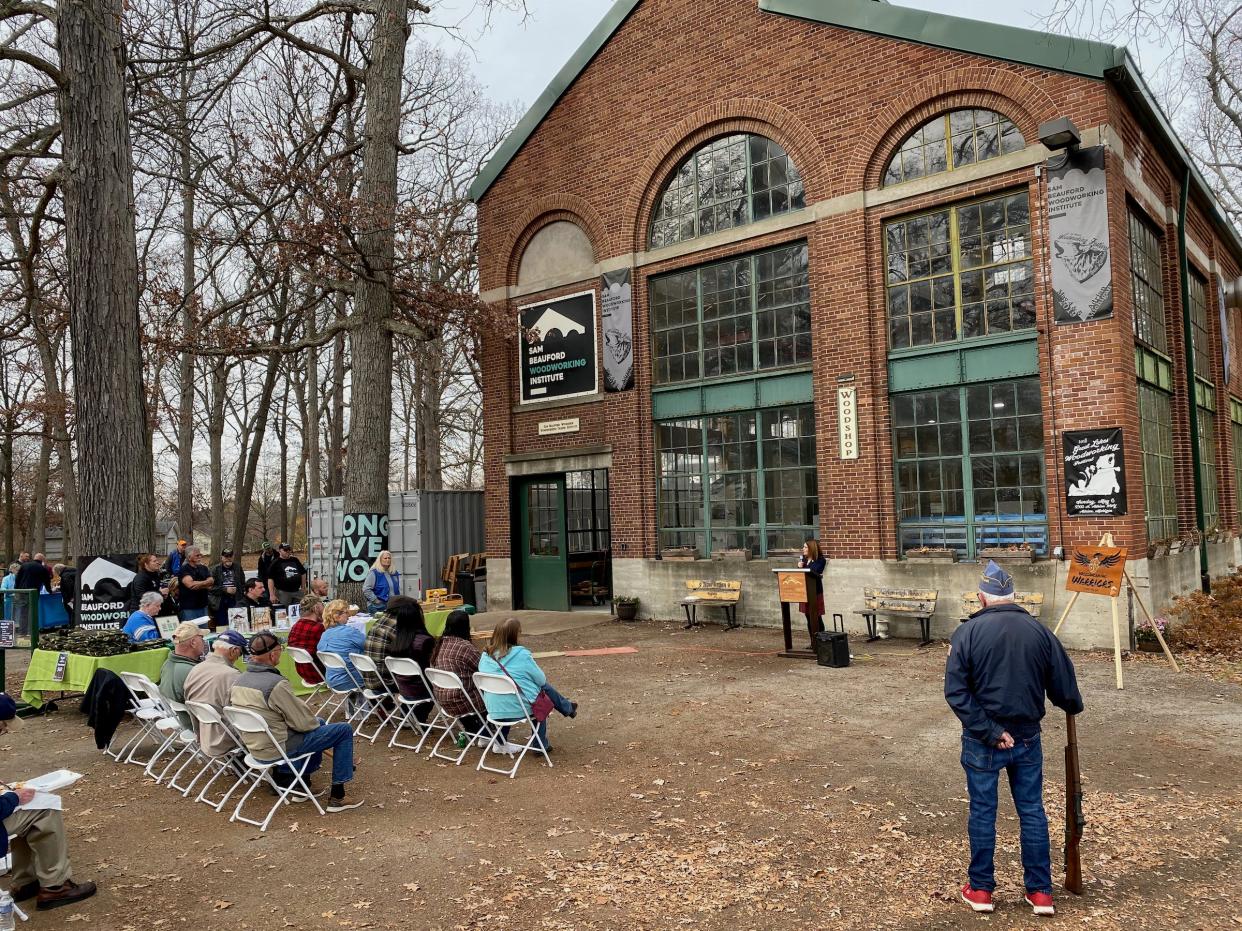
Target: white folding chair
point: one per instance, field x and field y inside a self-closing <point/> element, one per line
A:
<point x="450" y="681"/>
<point x="189" y="753"/>
<point x="320" y="689"/>
<point x="490" y="684"/>
<point x="339" y="698"/>
<point x="408" y="707"/>
<point x="251" y="722"/>
<point x="146" y="712"/>
<point x="168" y="725"/>
<point x="229" y="763"/>
<point x="374" y="699"/>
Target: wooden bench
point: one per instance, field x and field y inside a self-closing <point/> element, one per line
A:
<point x="711" y="594"/>
<point x="916" y="603"/>
<point x="1032" y="601"/>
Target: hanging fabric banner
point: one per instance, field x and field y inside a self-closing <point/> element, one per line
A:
<point x="103" y="589"/>
<point x="1095" y="483"/>
<point x="617" y="310"/>
<point x="1082" y="274"/>
<point x="363" y="538"/>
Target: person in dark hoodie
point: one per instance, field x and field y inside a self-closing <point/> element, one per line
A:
<point x="1001" y="664"/>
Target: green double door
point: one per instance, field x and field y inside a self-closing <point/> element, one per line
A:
<point x="545" y="560"/>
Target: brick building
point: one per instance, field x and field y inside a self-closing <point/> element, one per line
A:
<point x="830" y="234"/>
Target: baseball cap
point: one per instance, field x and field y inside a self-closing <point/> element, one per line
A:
<point x="267" y="544"/>
<point x="234" y="639"/>
<point x="285" y="546"/>
<point x="186" y="630"/>
<point x="8" y="710"/>
<point x="226" y="552"/>
<point x="263" y="642"/>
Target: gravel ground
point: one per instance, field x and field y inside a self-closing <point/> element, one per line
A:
<point x="706" y="783"/>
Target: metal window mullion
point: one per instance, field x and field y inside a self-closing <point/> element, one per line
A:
<point x="968" y="480"/>
<point x="761" y="482"/>
<point x="754" y="311"/>
<point x="705" y="479"/>
<point x="955" y="260"/>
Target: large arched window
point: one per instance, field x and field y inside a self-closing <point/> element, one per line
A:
<point x="730" y="181"/>
<point x="953" y="140"/>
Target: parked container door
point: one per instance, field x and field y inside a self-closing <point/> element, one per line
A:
<point x="545" y="563"/>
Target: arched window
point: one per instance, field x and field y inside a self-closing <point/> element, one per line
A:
<point x="952" y="140"/>
<point x="730" y="181"/>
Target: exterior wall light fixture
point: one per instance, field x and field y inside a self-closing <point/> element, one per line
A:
<point x="1060" y="133"/>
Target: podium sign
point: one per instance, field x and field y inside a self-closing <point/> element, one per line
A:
<point x="793" y="585"/>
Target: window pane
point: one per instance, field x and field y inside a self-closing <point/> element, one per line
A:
<point x="1156" y="440"/>
<point x="974" y="135"/>
<point x="1147" y="282"/>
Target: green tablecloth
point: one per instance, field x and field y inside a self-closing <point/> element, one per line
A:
<point x="80" y="669"/>
<point x="435" y="621"/>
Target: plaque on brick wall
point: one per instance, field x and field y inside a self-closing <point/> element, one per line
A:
<point x="1082" y="274"/>
<point x="616" y="312"/>
<point x="1095" y="482"/>
<point x="556" y="348"/>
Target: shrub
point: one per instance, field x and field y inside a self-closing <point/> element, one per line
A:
<point x="1209" y="623"/>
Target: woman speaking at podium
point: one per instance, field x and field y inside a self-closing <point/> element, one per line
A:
<point x="812" y="559"/>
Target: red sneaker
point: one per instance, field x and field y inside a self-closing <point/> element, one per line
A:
<point x="1041" y="902"/>
<point x="977" y="899"/>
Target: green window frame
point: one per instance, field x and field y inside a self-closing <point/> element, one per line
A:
<point x="1200" y="337"/>
<point x="953" y="140"/>
<point x="732" y="317"/>
<point x="586" y="511"/>
<point x="1147" y="282"/>
<point x="738" y="480"/>
<point x="969" y="464"/>
<point x="1235" y="426"/>
<point x="1208" y="483"/>
<point x="1156" y="440"/>
<point x="960" y="272"/>
<point x="726" y="183"/>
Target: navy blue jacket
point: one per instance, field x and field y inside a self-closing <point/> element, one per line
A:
<point x="1001" y="664"/>
<point x="8" y="805"/>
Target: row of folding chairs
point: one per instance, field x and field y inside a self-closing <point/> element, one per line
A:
<point x="180" y="758"/>
<point x="386" y="706"/>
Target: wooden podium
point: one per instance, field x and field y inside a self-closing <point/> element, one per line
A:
<point x="793" y="586"/>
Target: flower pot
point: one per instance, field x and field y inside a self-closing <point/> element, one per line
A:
<point x="626" y="612"/>
<point x="1002" y="554"/>
<point x="1148" y="646"/>
<point x="936" y="556"/>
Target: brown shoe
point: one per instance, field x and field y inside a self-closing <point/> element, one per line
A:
<point x="65" y="894"/>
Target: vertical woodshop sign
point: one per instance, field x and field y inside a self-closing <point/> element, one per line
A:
<point x="847" y="420"/>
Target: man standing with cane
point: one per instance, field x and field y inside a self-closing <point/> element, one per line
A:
<point x="1001" y="664"/>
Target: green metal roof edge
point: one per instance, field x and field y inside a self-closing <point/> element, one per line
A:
<point x="1026" y="46"/>
<point x="564" y="79"/>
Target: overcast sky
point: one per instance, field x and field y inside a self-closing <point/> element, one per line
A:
<point x="517" y="59"/>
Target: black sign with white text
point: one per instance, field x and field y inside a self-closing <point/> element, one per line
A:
<point x="363" y="538"/>
<point x="556" y="349"/>
<point x="1095" y="483"/>
<point x="103" y="589"/>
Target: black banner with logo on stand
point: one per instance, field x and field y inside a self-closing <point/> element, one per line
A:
<point x="1095" y="483"/>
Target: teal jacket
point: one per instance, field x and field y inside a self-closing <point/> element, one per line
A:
<point x="523" y="669"/>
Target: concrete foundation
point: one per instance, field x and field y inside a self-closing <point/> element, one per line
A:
<point x="660" y="585"/>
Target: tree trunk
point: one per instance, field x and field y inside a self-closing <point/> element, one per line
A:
<point x="101" y="261"/>
<point x="185" y="372"/>
<point x="215" y="435"/>
<point x="245" y="485"/>
<point x="370" y="427"/>
<point x="56" y="425"/>
<point x="310" y="425"/>
<point x="36" y="533"/>
<point x="282" y="439"/>
<point x="6" y="477"/>
<point x="431" y="390"/>
<point x="336" y="428"/>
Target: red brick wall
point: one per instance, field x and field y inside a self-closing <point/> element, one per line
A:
<point x="839" y="102"/>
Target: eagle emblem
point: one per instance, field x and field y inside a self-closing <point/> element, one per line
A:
<point x="1096" y="561"/>
<point x="1082" y="256"/>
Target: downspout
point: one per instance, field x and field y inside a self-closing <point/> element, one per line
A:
<point x="1183" y="270"/>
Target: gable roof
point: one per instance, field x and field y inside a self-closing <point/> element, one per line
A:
<point x="1082" y="57"/>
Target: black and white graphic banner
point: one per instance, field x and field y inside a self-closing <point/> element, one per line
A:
<point x="1082" y="274"/>
<point x="103" y="589"/>
<point x="363" y="538"/>
<point x="617" y="314"/>
<point x="556" y="349"/>
<point x="1095" y="483"/>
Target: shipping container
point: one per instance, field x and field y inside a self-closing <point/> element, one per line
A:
<point x="425" y="528"/>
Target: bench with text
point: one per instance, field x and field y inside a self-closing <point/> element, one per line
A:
<point x="712" y="594"/>
<point x="916" y="603"/>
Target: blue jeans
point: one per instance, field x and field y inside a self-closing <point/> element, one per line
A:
<point x="1025" y="765"/>
<point x="559" y="702"/>
<point x="339" y="738"/>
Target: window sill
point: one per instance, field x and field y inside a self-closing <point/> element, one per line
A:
<point x="999" y="339"/>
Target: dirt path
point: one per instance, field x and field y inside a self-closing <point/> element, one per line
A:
<point x="706" y="784"/>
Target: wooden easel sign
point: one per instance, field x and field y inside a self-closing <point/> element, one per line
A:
<point x="1099" y="570"/>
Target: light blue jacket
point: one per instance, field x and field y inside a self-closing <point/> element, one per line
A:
<point x="343" y="640"/>
<point x="523" y="670"/>
<point x="9" y="582"/>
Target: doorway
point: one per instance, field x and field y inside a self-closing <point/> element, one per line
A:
<point x="543" y="546"/>
<point x="564" y="541"/>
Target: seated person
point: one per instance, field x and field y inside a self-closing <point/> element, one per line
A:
<point x="305" y="634"/>
<point x="141" y="625"/>
<point x="319" y="587"/>
<point x="189" y="647"/>
<point x="400" y="632"/>
<point x="40" y="849"/>
<point x="456" y="653"/>
<point x="262" y="689"/>
<point x="210" y="682"/>
<point x="506" y="657"/>
<point x="255" y="595"/>
<point x="342" y="639"/>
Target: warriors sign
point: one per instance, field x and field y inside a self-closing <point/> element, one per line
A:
<point x="1096" y="570"/>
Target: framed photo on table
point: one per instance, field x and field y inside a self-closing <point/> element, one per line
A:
<point x="239" y="620"/>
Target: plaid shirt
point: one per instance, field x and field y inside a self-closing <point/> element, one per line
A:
<point x="381" y="641"/>
<point x="305" y="635"/>
<point x="453" y="654"/>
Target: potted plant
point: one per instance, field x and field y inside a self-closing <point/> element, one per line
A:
<point x="626" y="607"/>
<point x="1158" y="548"/>
<point x="1017" y="553"/>
<point x="1145" y="635"/>
<point x="731" y="554"/>
<point x="679" y="553"/>
<point x="931" y="554"/>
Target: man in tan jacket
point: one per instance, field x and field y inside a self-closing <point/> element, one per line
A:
<point x="263" y="689"/>
<point x="210" y="683"/>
